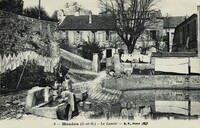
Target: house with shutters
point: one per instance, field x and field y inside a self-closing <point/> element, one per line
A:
<point x="101" y="29"/>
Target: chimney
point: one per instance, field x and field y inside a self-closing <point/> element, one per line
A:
<point x="198" y="32"/>
<point x="60" y="15"/>
<point x="90" y="17"/>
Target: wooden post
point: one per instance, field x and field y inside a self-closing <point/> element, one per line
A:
<point x="198" y="31"/>
<point x="189" y="107"/>
<point x="117" y="65"/>
<point x="39" y="9"/>
<point x="95" y="62"/>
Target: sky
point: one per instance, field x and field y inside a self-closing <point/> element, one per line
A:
<point x="168" y="7"/>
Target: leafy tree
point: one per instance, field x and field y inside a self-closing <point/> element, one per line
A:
<point x="130" y="17"/>
<point x="14" y="6"/>
<point x="33" y="12"/>
<point x="88" y="48"/>
<point x="54" y="16"/>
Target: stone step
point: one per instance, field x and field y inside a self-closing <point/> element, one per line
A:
<point x="98" y="96"/>
<point x="112" y="91"/>
<point x="102" y="96"/>
<point x="105" y="97"/>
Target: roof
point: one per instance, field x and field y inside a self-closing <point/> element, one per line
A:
<point x="173" y="22"/>
<point x="99" y="22"/>
<point x="188" y="19"/>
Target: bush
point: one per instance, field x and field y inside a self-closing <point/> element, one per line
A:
<point x="88" y="48"/>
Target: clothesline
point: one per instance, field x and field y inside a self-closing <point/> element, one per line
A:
<point x="136" y="58"/>
<point x="12" y="61"/>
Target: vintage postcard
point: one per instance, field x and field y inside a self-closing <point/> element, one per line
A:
<point x="100" y="63"/>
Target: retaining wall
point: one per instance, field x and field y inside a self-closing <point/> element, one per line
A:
<point x="79" y="61"/>
<point x="153" y="81"/>
<point x="20" y="33"/>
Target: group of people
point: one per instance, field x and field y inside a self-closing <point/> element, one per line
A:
<point x="61" y="90"/>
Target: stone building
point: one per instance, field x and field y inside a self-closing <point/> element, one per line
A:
<point x="101" y="29"/>
<point x="185" y="39"/>
<point x="169" y="25"/>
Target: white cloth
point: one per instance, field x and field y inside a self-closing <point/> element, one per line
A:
<point x="11" y="62"/>
<point x="178" y="107"/>
<point x="3" y="65"/>
<point x="8" y="62"/>
<point x="179" y="65"/>
<point x="141" y="58"/>
<point x="21" y="58"/>
<point x="146" y="59"/>
<point x="195" y="65"/>
<point x="45" y="64"/>
<point x="17" y="60"/>
<point x="14" y="62"/>
<point x="26" y="55"/>
<point x="51" y="65"/>
<point x="126" y="57"/>
<point x="41" y="60"/>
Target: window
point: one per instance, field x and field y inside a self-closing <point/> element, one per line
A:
<point x="153" y="34"/>
<point x="78" y="36"/>
<point x="112" y="36"/>
<point x="107" y="35"/>
<point x="99" y="36"/>
<point x="108" y="53"/>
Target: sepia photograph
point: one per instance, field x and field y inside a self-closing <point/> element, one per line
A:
<point x="100" y="63"/>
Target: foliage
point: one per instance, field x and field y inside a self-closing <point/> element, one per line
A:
<point x="33" y="12"/>
<point x="130" y="17"/>
<point x="88" y="48"/>
<point x="157" y="43"/>
<point x="14" y="6"/>
<point x="22" y="35"/>
<point x="54" y="16"/>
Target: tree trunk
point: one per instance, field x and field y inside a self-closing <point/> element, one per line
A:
<point x="130" y="49"/>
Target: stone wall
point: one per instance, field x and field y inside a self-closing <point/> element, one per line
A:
<point x="135" y="82"/>
<point x="20" y="33"/>
<point x="76" y="61"/>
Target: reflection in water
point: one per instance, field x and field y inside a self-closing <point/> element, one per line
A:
<point x="150" y="104"/>
<point x="166" y="103"/>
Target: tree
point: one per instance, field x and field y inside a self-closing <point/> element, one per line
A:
<point x="33" y="12"/>
<point x="88" y="48"/>
<point x="54" y="16"/>
<point x="14" y="6"/>
<point x="159" y="42"/>
<point x="130" y="17"/>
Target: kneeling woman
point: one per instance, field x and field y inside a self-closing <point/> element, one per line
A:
<point x="66" y="96"/>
